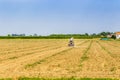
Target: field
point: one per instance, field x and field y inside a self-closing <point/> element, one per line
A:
<point x="52" y="58"/>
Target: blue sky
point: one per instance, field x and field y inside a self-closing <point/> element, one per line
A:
<point x="46" y="17"/>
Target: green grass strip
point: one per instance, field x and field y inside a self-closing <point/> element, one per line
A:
<point x="72" y="78"/>
<point x="84" y="57"/>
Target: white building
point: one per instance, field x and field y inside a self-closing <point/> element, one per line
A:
<point x="117" y="35"/>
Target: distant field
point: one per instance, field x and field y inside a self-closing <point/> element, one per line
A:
<point x="52" y="58"/>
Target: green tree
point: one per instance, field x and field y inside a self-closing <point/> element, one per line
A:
<point x="86" y="34"/>
<point x="8" y="35"/>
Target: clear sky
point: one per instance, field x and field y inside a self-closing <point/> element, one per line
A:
<point x="59" y="16"/>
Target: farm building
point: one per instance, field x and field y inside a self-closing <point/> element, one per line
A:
<point x="109" y="36"/>
<point x="117" y="34"/>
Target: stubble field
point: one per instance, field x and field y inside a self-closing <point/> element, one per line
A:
<point x="52" y="58"/>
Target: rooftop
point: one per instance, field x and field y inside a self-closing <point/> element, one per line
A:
<point x="117" y="33"/>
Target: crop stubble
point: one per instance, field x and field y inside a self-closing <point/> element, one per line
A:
<point x="53" y="58"/>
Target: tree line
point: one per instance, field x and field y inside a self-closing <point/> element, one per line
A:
<point x="57" y="36"/>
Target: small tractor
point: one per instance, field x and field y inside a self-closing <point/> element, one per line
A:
<point x="71" y="42"/>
